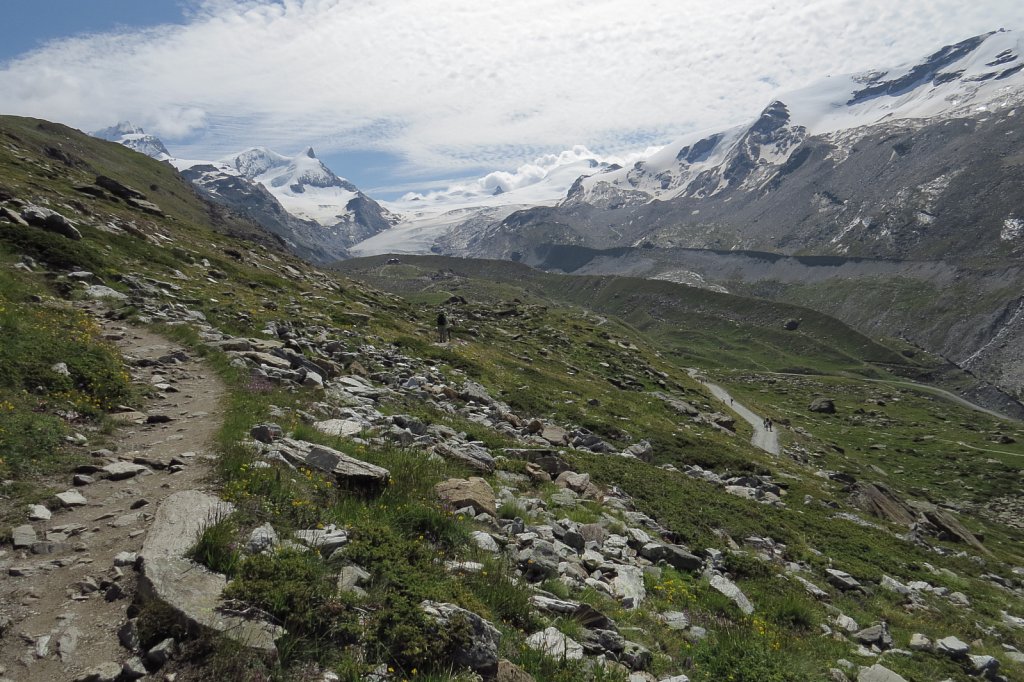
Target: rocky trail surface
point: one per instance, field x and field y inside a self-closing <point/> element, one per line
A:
<point x="763" y="438"/>
<point x="68" y="584"/>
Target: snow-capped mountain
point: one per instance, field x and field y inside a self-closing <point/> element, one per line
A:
<point x="305" y="188"/>
<point x="135" y="138"/>
<point x="889" y="163"/>
<point x="428" y="218"/>
<point x="315" y="213"/>
<point x="979" y="75"/>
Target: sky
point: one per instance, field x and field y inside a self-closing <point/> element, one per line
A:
<point x="397" y="95"/>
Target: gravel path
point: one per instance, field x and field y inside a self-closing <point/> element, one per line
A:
<point x="763" y="438"/>
<point x="64" y="594"/>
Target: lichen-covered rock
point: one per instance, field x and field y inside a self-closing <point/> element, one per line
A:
<point x="480" y="651"/>
<point x="475" y="492"/>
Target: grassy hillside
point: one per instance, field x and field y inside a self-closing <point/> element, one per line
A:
<point x="596" y="359"/>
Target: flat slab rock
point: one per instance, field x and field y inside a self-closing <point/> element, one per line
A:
<point x="879" y="673"/>
<point x="193" y="591"/>
<point x="346" y="469"/>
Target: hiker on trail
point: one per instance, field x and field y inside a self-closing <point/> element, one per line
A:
<point x="443" y="333"/>
<point x="768" y="423"/>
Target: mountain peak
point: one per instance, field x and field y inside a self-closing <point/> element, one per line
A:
<point x="116" y="132"/>
<point x="134" y="137"/>
<point x="309" y="153"/>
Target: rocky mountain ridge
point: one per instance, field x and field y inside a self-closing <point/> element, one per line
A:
<point x="317" y="214"/>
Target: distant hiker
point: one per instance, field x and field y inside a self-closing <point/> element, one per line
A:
<point x="769" y="423"/>
<point x="730" y="401"/>
<point x="443" y="333"/>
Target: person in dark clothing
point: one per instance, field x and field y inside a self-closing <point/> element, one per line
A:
<point x="443" y="332"/>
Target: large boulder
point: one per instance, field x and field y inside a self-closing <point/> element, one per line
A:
<point x="474" y="492"/>
<point x="950" y="528"/>
<point x="192" y="591"/>
<point x="480" y="651"/>
<point x="50" y="221"/>
<point x="822" y="405"/>
<point x="472" y="455"/>
<point x="879" y="500"/>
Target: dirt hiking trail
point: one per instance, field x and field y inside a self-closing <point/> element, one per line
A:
<point x="64" y="595"/>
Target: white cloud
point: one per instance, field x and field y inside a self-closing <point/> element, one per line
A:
<point x="455" y="84"/>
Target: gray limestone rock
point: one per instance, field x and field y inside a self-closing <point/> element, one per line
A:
<point x="877" y="634"/>
<point x="822" y="405"/>
<point x="675" y="620"/>
<point x="262" y="538"/>
<point x="952" y="647"/>
<point x="104" y="672"/>
<point x="485" y="541"/>
<point x="345" y="469"/>
<point x="919" y="642"/>
<point x="841" y="579"/>
<point x="23" y="536"/>
<point x="551" y="642"/>
<point x="733" y="592"/>
<point x="480" y="653"/>
<point x="37" y="512"/>
<point x="628" y="586"/>
<point x="192" y="591"/>
<point x="118" y="471"/>
<point x="878" y="673"/>
<point x="71" y="498"/>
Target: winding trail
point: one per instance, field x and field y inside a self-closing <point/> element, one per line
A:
<point x="763" y="438"/>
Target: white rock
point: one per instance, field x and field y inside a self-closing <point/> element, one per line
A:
<point x="484" y="541"/>
<point x="551" y="642"/>
<point x="37" y="512"/>
<point x="952" y="646"/>
<point x="628" y="586"/>
<point x="72" y="498"/>
<point x="733" y="592"/>
<point x="879" y="673"/>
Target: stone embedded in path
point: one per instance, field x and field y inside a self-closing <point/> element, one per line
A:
<point x="104" y="672"/>
<point x="192" y="591"/>
<point x="23" y="536"/>
<point x="733" y="592"/>
<point x="119" y="471"/>
<point x="71" y="498"/>
<point x="37" y="512"/>
<point x="475" y="492"/>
